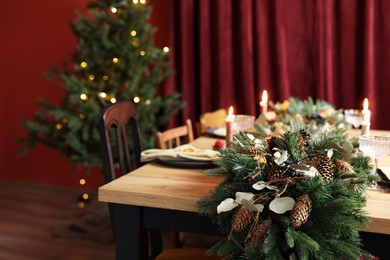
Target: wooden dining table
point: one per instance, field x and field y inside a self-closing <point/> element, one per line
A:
<point x="157" y="196"/>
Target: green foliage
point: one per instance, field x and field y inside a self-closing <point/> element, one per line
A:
<point x="115" y="60"/>
<point x="331" y="230"/>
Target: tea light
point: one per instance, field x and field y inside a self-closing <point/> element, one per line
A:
<point x="229" y="127"/>
<point x="366" y="118"/>
<point x="264" y="102"/>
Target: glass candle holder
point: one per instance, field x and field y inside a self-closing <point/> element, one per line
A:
<point x="243" y="123"/>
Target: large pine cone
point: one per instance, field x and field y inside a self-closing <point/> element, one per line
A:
<point x="258" y="233"/>
<point x="324" y="166"/>
<point x="301" y="211"/>
<point x="241" y="219"/>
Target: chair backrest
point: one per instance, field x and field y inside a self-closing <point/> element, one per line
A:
<point x="121" y="117"/>
<point x="175" y="136"/>
<point x="211" y="119"/>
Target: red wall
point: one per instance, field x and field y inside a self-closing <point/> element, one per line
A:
<point x="35" y="35"/>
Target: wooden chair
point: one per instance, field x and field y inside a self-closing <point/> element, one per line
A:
<point x="211" y="120"/>
<point x="122" y="118"/>
<point x="176" y="136"/>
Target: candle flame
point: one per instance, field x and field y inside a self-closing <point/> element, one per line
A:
<point x="264" y="98"/>
<point x="231" y="111"/>
<point x="365" y="104"/>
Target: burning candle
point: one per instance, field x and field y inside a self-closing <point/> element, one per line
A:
<point x="366" y="118"/>
<point x="229" y="127"/>
<point x="264" y="102"/>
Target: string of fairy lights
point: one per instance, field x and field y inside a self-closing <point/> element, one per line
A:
<point x="104" y="97"/>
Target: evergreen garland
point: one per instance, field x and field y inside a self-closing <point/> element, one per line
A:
<point x="275" y="201"/>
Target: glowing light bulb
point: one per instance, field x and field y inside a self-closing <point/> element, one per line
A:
<point x="133" y="33"/>
<point x="142" y="53"/>
<point x="58" y="126"/>
<point x="102" y="94"/>
<point x="82" y="116"/>
<point x="85" y="196"/>
<point x="82" y="181"/>
<point x="113" y="100"/>
<point x="166" y="49"/>
<point x="91" y="77"/>
<point x="81" y="205"/>
<point x="83" y="64"/>
<point x="136" y="100"/>
<point x="114" y="10"/>
<point x="83" y="97"/>
<point x="135" y="43"/>
<point x="148" y="102"/>
<point x="135" y="2"/>
<point x="105" y="77"/>
<point x="115" y="60"/>
<point x="142" y="2"/>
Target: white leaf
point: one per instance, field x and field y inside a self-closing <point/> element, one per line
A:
<point x="226" y="205"/>
<point x="281" y="205"/>
<point x="243" y="195"/>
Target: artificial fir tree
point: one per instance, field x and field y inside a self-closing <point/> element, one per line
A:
<point x="115" y="60"/>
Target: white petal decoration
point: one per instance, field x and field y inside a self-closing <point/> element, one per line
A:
<point x="259" y="185"/>
<point x="272" y="187"/>
<point x="259" y="207"/>
<point x="251" y="137"/>
<point x="226" y="205"/>
<point x="330" y="153"/>
<point x="281" y="205"/>
<point x="243" y="195"/>
<point x="282" y="158"/>
<point x="277" y="155"/>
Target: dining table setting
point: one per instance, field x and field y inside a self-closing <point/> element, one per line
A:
<point x="297" y="173"/>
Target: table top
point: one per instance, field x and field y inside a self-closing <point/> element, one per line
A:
<point x="159" y="186"/>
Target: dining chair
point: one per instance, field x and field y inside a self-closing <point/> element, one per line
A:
<point x="211" y="120"/>
<point x="118" y="128"/>
<point x="174" y="137"/>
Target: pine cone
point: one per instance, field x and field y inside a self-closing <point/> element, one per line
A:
<point x="305" y="135"/>
<point x="343" y="166"/>
<point x="257" y="234"/>
<point x="276" y="172"/>
<point x="301" y="211"/>
<point x="252" y="150"/>
<point x="241" y="219"/>
<point x="324" y="166"/>
<point x="272" y="143"/>
<point x="301" y="142"/>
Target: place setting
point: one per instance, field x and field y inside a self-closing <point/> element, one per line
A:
<point x="184" y="156"/>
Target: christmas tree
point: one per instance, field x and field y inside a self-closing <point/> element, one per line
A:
<point x="115" y="60"/>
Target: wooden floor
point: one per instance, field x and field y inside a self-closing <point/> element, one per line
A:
<point x="40" y="222"/>
<point x="43" y="222"/>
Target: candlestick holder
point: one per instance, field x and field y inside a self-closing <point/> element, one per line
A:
<point x="354" y="117"/>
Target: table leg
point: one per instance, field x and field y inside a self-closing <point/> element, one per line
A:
<point x="130" y="235"/>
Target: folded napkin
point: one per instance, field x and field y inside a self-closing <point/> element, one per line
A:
<point x="181" y="152"/>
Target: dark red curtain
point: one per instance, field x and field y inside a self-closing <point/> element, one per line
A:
<point x="225" y="52"/>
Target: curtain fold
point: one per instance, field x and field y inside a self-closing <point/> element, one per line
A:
<point x="225" y="52"/>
